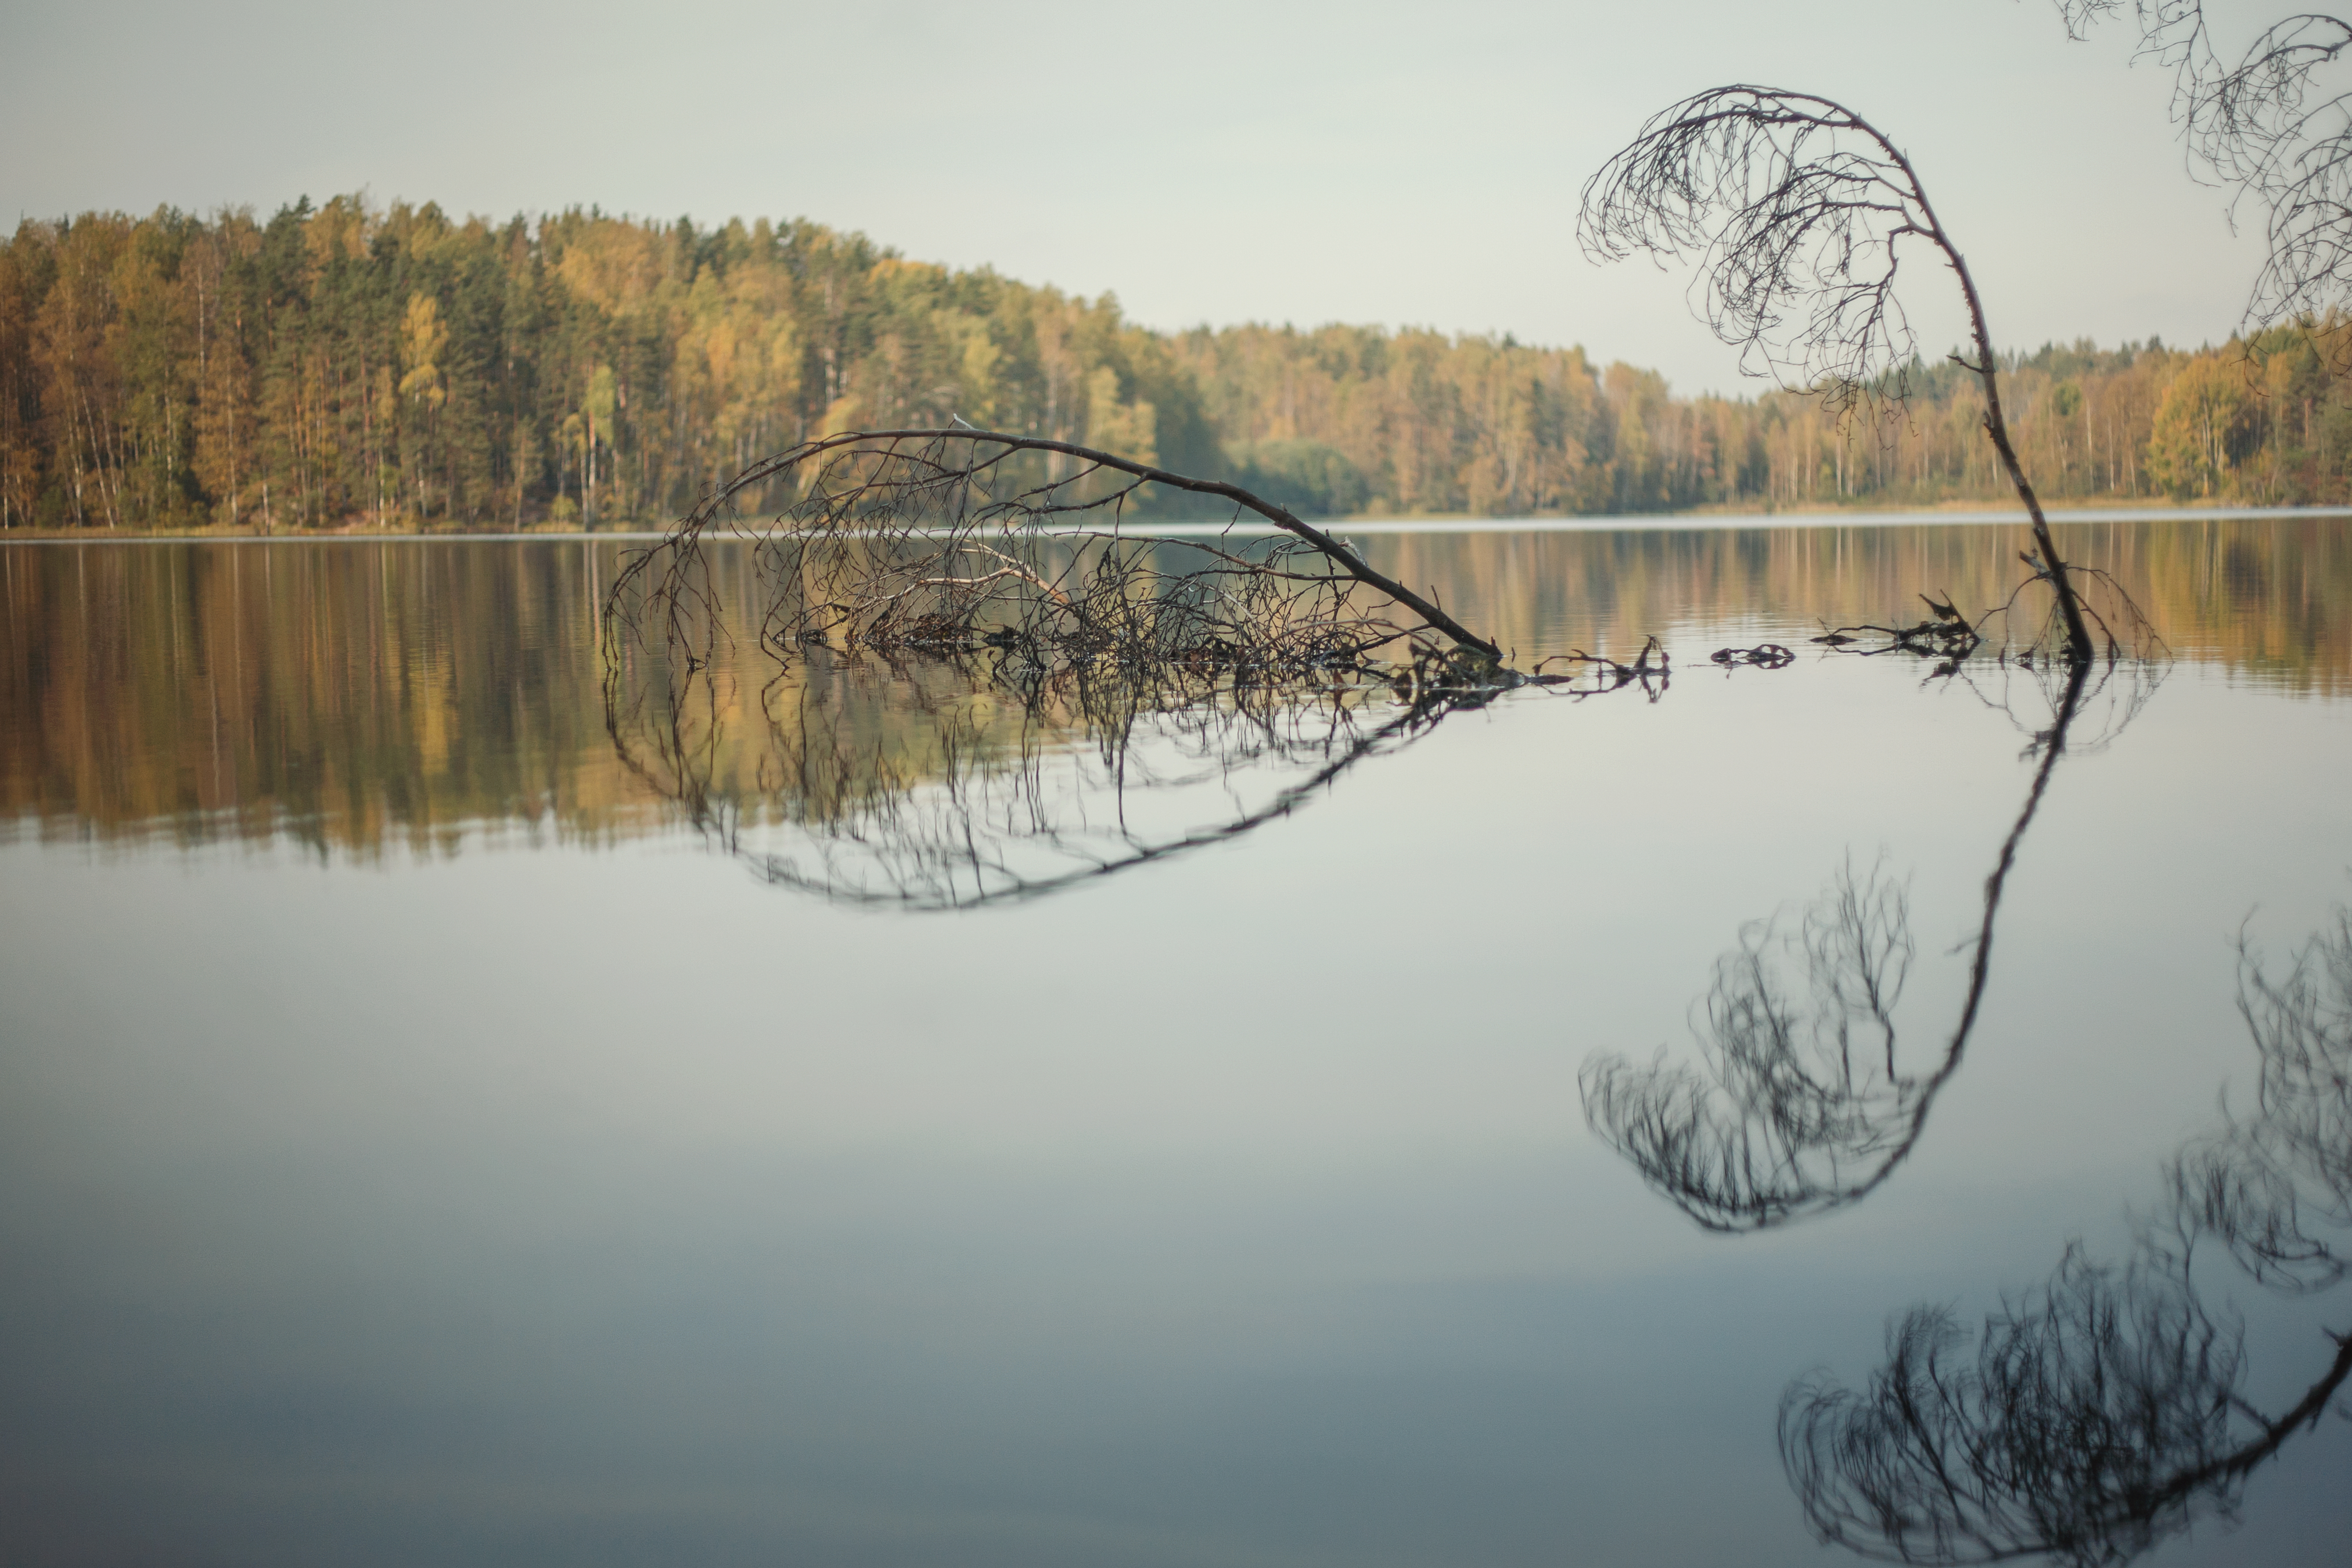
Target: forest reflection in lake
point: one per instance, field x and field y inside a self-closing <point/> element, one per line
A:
<point x="582" y="1198"/>
<point x="358" y="693"/>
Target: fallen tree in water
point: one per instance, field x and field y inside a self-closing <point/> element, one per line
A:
<point x="974" y="682"/>
<point x="970" y="679"/>
<point x="950" y="539"/>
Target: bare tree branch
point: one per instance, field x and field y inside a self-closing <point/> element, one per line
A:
<point x="940" y="539"/>
<point x="2270" y="129"/>
<point x="1796" y="211"/>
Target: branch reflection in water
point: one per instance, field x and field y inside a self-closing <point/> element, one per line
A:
<point x="932" y="783"/>
<point x="2106" y="1410"/>
<point x="1801" y="1102"/>
<point x="994" y="699"/>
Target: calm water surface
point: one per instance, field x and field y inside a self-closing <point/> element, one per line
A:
<point x="852" y="1124"/>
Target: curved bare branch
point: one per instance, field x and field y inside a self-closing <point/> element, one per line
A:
<point x="1796" y="210"/>
<point x="891" y="538"/>
<point x="2272" y="128"/>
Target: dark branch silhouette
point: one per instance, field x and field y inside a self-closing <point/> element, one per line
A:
<point x="980" y="686"/>
<point x="1797" y="210"/>
<point x="1951" y="637"/>
<point x="998" y="795"/>
<point x="948" y="540"/>
<point x="2270" y="129"/>
<point x="2278" y="1184"/>
<point x="1800" y="1085"/>
<point x="2105" y="1410"/>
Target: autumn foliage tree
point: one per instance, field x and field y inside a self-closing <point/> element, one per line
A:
<point x="344" y="364"/>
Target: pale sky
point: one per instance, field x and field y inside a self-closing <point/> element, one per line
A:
<point x="1209" y="163"/>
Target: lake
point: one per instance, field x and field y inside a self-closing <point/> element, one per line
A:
<point x="452" y="1109"/>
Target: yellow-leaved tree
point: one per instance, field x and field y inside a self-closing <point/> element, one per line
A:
<point x="422" y="339"/>
<point x="2201" y="427"/>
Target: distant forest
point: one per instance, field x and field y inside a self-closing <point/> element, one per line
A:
<point x="342" y="364"/>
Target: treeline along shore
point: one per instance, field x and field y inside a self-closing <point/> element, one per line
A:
<point x="344" y="365"/>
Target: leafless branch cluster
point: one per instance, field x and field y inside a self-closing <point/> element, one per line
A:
<point x="2272" y="127"/>
<point x="2124" y="639"/>
<point x="2106" y="1410"/>
<point x="947" y="542"/>
<point x="922" y="781"/>
<point x="2122" y="635"/>
<point x="2096" y="704"/>
<point x="2063" y="1435"/>
<point x="965" y="680"/>
<point x="1794" y="209"/>
<point x="2277" y="1184"/>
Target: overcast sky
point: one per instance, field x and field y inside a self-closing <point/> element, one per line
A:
<point x="1209" y="162"/>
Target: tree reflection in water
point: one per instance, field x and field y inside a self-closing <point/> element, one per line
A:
<point x="2105" y="1410"/>
<point x="932" y="783"/>
<point x="1801" y="1102"/>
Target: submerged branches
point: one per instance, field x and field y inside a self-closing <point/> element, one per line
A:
<point x="961" y="680"/>
<point x="1945" y="635"/>
<point x="2131" y="659"/>
<point x="1796" y="210"/>
<point x="1763" y="656"/>
<point x="950" y="541"/>
<point x="1592" y="674"/>
<point x="2106" y="1410"/>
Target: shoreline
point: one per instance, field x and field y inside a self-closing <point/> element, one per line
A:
<point x="1596" y="523"/>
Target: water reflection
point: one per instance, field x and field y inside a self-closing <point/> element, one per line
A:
<point x="365" y="1210"/>
<point x="1802" y="1103"/>
<point x="2106" y="1409"/>
<point x="345" y="697"/>
<point x="926" y="783"/>
<point x="356" y="696"/>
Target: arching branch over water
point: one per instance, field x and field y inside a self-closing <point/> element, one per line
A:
<point x="948" y="540"/>
<point x="943" y="671"/>
<point x="1798" y="213"/>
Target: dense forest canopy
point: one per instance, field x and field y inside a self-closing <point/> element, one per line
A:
<point x="341" y="365"/>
